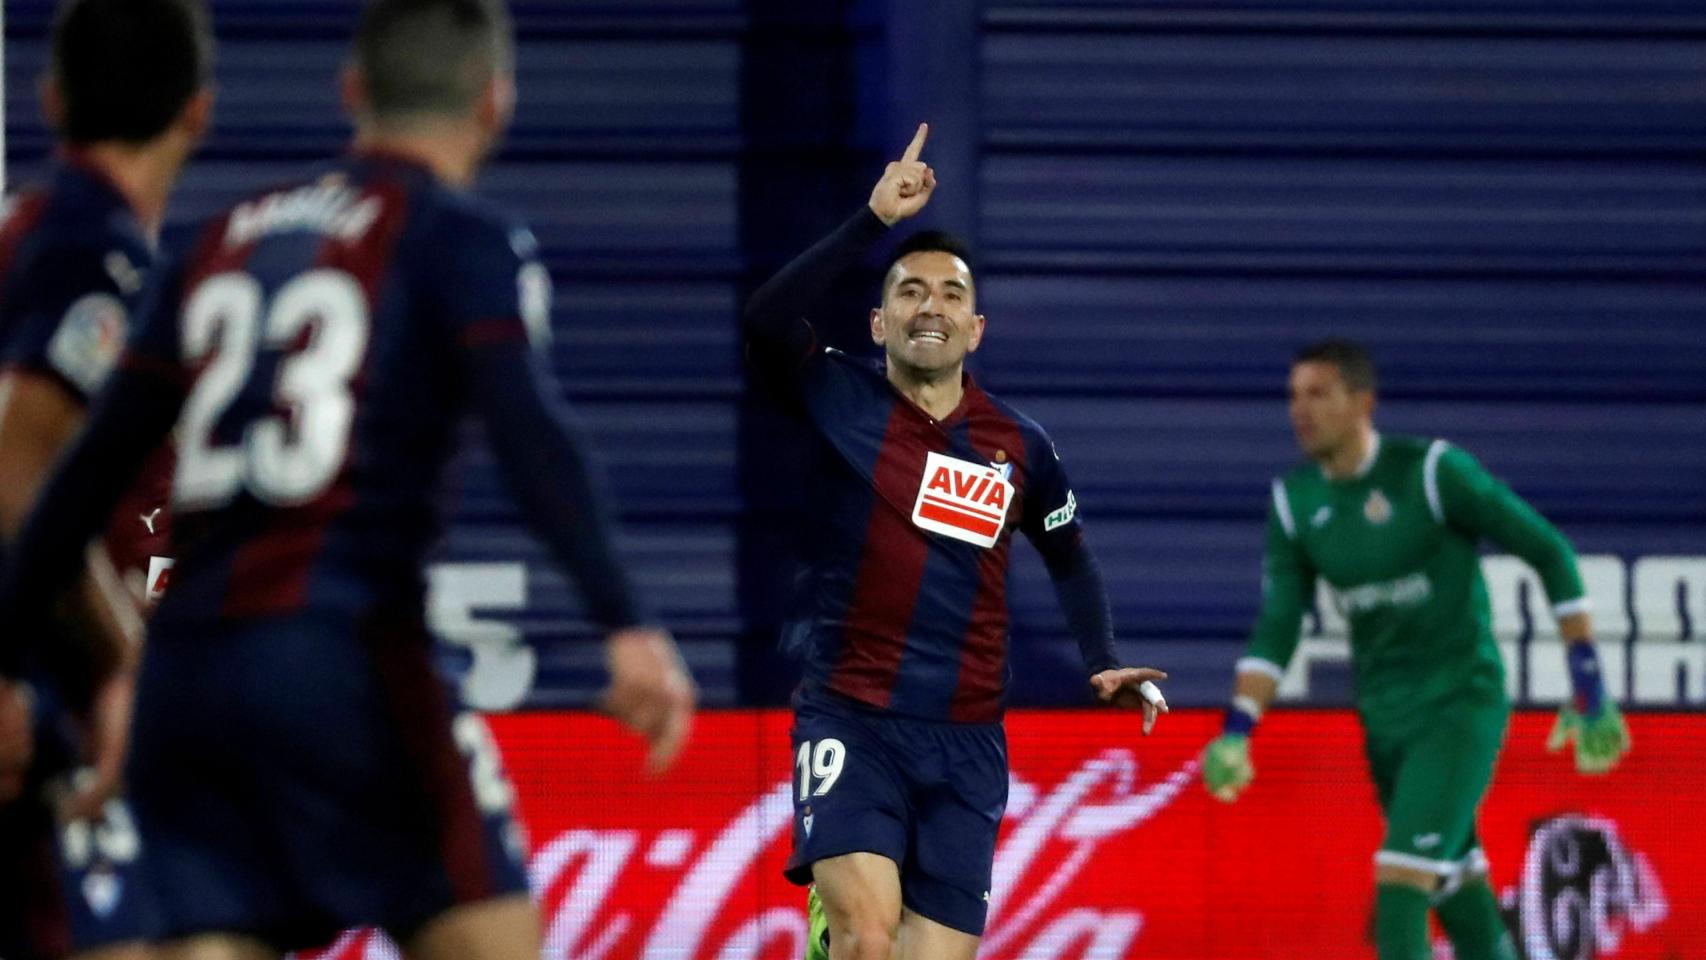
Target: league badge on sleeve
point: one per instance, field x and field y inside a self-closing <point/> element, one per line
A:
<point x="87" y="343"/>
<point x="963" y="500"/>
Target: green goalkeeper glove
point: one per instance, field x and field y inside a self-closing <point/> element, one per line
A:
<point x="1600" y="741"/>
<point x="1226" y="767"/>
<point x="1590" y="719"/>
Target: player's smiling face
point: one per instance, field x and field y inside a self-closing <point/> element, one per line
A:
<point x="928" y="321"/>
<point x="1326" y="413"/>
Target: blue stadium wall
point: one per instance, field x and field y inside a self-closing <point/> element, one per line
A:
<point x="1506" y="199"/>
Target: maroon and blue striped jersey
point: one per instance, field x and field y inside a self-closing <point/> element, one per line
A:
<point x="73" y="264"/>
<point x="73" y="260"/>
<point x="902" y="602"/>
<point x="317" y="348"/>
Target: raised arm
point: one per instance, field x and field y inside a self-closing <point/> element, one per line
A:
<point x="779" y="338"/>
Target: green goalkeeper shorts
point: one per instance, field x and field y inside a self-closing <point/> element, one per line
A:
<point x="1431" y="781"/>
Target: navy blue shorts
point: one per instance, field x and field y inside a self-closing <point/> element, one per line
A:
<point x="927" y="795"/>
<point x="297" y="777"/>
<point x="67" y="888"/>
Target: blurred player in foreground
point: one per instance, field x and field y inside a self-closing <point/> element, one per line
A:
<point x="127" y="94"/>
<point x="920" y="479"/>
<point x="1392" y="525"/>
<point x="298" y="766"/>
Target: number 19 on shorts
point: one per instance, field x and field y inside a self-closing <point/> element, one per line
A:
<point x="822" y="762"/>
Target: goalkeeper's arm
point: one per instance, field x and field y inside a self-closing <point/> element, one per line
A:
<point x="1464" y="494"/>
<point x="1288" y="585"/>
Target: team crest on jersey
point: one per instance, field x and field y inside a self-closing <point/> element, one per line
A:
<point x="963" y="500"/>
<point x="1377" y="509"/>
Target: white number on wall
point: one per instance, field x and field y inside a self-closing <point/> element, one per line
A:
<point x="492" y="791"/>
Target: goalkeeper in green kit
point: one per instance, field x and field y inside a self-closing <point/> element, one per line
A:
<point x="1391" y="524"/>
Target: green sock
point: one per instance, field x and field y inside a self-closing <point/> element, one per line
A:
<point x="1471" y="919"/>
<point x="1401" y="923"/>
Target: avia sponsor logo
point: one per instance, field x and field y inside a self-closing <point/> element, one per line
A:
<point x="1582" y="891"/>
<point x="963" y="500"/>
<point x="1412" y="590"/>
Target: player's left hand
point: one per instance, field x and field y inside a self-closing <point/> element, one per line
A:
<point x="1124" y="687"/>
<point x="1601" y="740"/>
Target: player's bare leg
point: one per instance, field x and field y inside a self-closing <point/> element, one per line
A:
<point x="503" y="928"/>
<point x="218" y="946"/>
<point x="924" y="939"/>
<point x="861" y="901"/>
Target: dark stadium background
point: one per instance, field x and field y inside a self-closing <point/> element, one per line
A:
<point x="1506" y="199"/>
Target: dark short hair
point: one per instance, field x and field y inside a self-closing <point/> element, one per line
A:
<point x="124" y="69"/>
<point x="426" y="57"/>
<point x="1356" y="365"/>
<point x="926" y="241"/>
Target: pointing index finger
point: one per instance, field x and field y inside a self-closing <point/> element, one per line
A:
<point x="916" y="147"/>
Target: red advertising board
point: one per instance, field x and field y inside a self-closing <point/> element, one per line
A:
<point x="1110" y="847"/>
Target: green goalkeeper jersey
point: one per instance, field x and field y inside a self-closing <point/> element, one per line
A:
<point x="1397" y="546"/>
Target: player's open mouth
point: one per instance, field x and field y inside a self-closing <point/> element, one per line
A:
<point x="929" y="336"/>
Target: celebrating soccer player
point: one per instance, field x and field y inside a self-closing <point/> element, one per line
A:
<point x="127" y="94"/>
<point x="1392" y="525"/>
<point x="298" y="766"/>
<point x="921" y="478"/>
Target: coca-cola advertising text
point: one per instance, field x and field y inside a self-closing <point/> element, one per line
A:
<point x="1110" y="848"/>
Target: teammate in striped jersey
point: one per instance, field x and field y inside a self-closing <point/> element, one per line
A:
<point x="127" y="94"/>
<point x="298" y="766"/>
